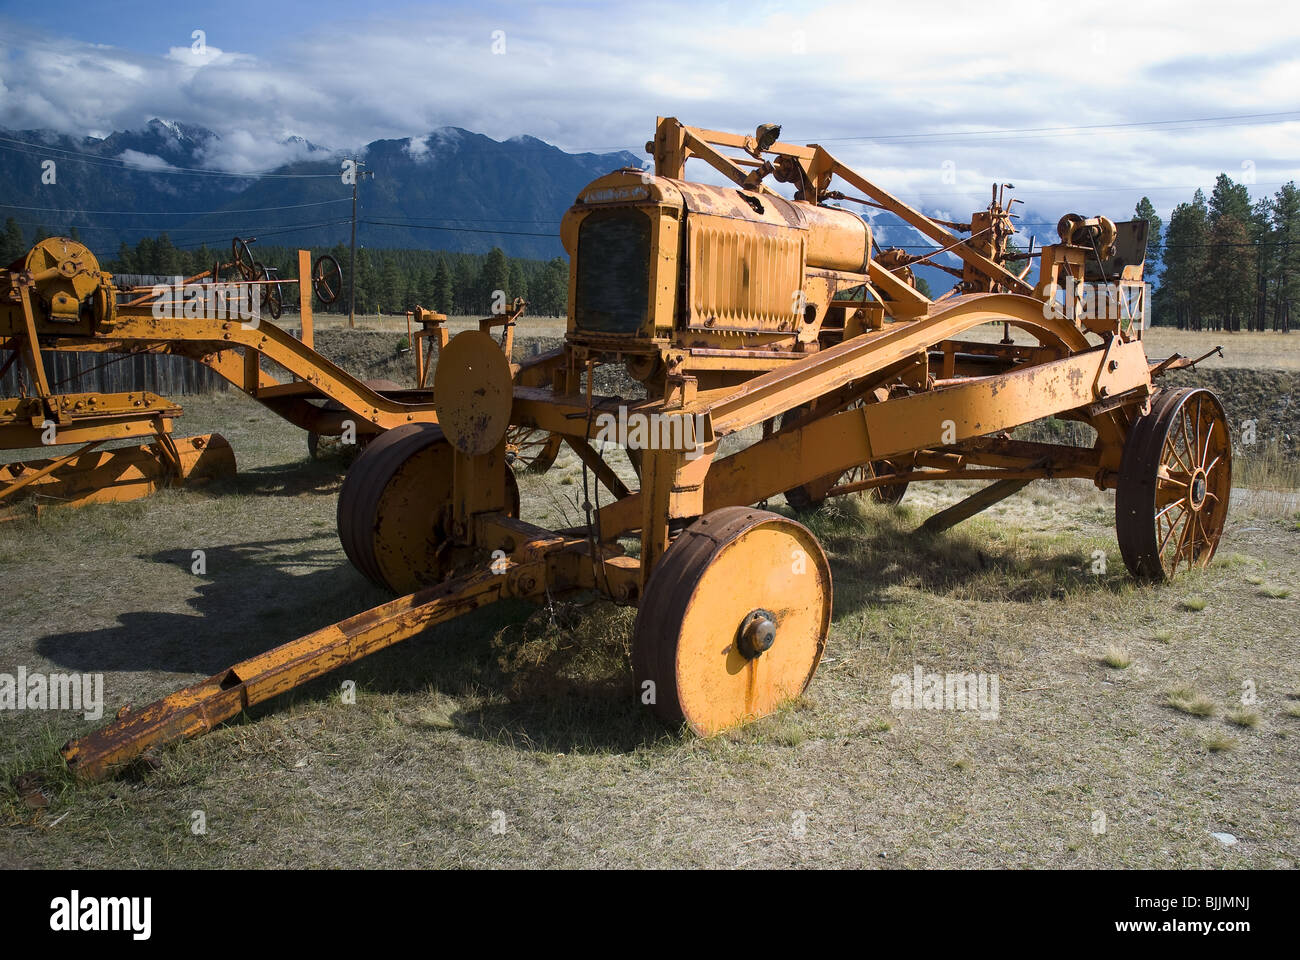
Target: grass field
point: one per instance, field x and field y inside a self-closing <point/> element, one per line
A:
<point x="513" y="737"/>
<point x="1249" y="350"/>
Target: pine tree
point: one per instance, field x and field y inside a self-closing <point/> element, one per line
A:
<point x="125" y="262"/>
<point x="1146" y="211"/>
<point x="426" y="295"/>
<point x="1184" y="262"/>
<point x="517" y="286"/>
<point x="494" y="279"/>
<point x="391" y="288"/>
<point x="168" y="257"/>
<point x="1261" y="235"/>
<point x="1286" y="254"/>
<point x="553" y="294"/>
<point x="411" y="296"/>
<point x="11" y="243"/>
<point x="366" y="283"/>
<point x="1230" y="270"/>
<point x="442" y="298"/>
<point x="146" y="256"/>
<point x="465" y="294"/>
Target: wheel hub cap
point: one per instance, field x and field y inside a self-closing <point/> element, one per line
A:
<point x="757" y="633"/>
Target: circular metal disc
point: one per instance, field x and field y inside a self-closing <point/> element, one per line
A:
<point x="473" y="392"/>
<point x="390" y="507"/>
<point x="724" y="567"/>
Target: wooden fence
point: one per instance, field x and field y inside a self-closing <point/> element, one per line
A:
<point x="161" y="373"/>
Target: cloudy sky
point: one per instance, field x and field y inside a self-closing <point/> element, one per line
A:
<point x="1074" y="103"/>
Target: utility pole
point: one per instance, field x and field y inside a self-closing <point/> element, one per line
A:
<point x="352" y="259"/>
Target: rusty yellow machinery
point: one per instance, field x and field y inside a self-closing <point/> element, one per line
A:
<point x="57" y="291"/>
<point x="57" y="299"/>
<point x="765" y="317"/>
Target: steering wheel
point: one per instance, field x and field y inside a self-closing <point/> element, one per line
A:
<point x="327" y="278"/>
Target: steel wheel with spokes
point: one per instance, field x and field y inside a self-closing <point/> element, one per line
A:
<point x="809" y="496"/>
<point x="1174" y="484"/>
<point x="532" y="450"/>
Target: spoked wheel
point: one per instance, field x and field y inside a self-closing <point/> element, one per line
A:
<point x="532" y="450"/>
<point x="390" y="513"/>
<point x="273" y="300"/>
<point x="809" y="496"/>
<point x="1175" y="481"/>
<point x="242" y="259"/>
<point x="733" y="621"/>
<point x="327" y="278"/>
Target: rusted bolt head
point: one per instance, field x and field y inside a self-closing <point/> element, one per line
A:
<point x="757" y="633"/>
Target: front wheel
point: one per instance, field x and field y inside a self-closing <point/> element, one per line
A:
<point x="734" y="620"/>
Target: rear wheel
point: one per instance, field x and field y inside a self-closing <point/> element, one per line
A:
<point x="807" y="497"/>
<point x="532" y="450"/>
<point x="392" y="508"/>
<point x="273" y="300"/>
<point x="1174" y="485"/>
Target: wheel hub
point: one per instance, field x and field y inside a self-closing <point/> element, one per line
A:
<point x="1196" y="489"/>
<point x="757" y="633"/>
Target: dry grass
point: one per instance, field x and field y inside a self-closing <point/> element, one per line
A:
<point x="1243" y="717"/>
<point x="1219" y="743"/>
<point x="1117" y="658"/>
<point x="1254" y="351"/>
<point x="1189" y="701"/>
<point x="524" y="719"/>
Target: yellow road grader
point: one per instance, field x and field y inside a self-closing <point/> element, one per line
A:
<point x="747" y="310"/>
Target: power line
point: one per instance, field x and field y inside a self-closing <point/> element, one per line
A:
<point x="193" y="244"/>
<point x="278" y="227"/>
<point x="424" y="226"/>
<point x="187" y="213"/>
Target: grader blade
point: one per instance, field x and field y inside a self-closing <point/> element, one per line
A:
<point x="89" y="475"/>
<point x="198" y="708"/>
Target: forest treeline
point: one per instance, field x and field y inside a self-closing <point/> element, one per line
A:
<point x="1225" y="263"/>
<point x="388" y="281"/>
<point x="1221" y="263"/>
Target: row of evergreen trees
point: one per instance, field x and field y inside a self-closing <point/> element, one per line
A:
<point x="1221" y="264"/>
<point x="388" y="281"/>
<point x="1227" y="263"/>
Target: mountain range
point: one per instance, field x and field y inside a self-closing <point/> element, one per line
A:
<point x="452" y="189"/>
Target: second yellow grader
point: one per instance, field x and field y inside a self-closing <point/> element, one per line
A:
<point x="735" y="307"/>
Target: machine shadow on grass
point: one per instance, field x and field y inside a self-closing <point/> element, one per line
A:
<point x="306" y="477"/>
<point x="873" y="549"/>
<point x="551" y="679"/>
<point x="253" y="596"/>
<point x="261" y="594"/>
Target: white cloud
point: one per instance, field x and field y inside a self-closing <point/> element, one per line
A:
<point x="594" y="78"/>
<point x="145" y="161"/>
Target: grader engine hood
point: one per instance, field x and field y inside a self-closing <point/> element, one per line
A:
<point x="651" y="255"/>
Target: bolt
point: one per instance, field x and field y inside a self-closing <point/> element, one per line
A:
<point x="757" y="633"/>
